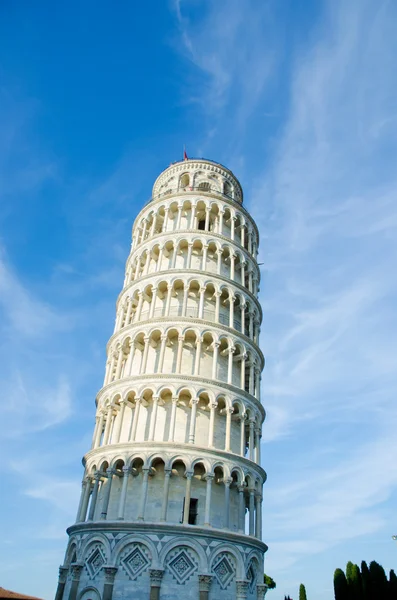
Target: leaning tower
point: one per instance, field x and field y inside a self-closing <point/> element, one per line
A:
<point x="171" y="501"/>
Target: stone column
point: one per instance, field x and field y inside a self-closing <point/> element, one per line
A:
<point x="242" y="233"/>
<point x="257" y="445"/>
<point x="130" y="360"/>
<point x="226" y="483"/>
<point x="63" y="573"/>
<point x="201" y="303"/>
<point x="111" y="368"/>
<point x="197" y="357"/>
<point x="186" y="507"/>
<point x="217" y="305"/>
<point x="86" y="499"/>
<point x="173" y="419"/>
<point x="165" y="222"/>
<point x="189" y="255"/>
<point x="192" y="426"/>
<point x="128" y="315"/>
<point x="153" y="303"/>
<point x="242" y="435"/>
<point x="261" y="590"/>
<point x="153" y="418"/>
<point x="231" y="310"/>
<point x="193" y="218"/>
<point x="204" y="586"/>
<point x="123" y="495"/>
<point x="156" y="575"/>
<point x="145" y="355"/>
<point x="257" y="384"/>
<point x="229" y="412"/>
<point x="207" y="218"/>
<point x="241" y="508"/>
<point x="242" y="374"/>
<point x="241" y="589"/>
<point x="179" y="354"/>
<point x="220" y="230"/>
<point x="153" y="227"/>
<point x="204" y="259"/>
<point x="232" y="227"/>
<point x="76" y="572"/>
<point x="251" y="512"/>
<point x="135" y="419"/>
<point x="208" y="495"/>
<point x="178" y="221"/>
<point x="145" y="483"/>
<point x="163" y="343"/>
<point x="97" y="479"/>
<point x="230" y="365"/>
<point x="258" y="516"/>
<point x="119" y="422"/>
<point x="139" y="307"/>
<point x="185" y="299"/>
<point x="251" y="439"/>
<point x="215" y="359"/>
<point x="243" y="264"/>
<point x="211" y="425"/>
<point x="82" y="494"/>
<point x="174" y="255"/>
<point x="166" y="491"/>
<point x="219" y="261"/>
<point x="119" y="364"/>
<point x="106" y="496"/>
<point x="110" y="573"/>
<point x="232" y="261"/>
<point x="250" y="241"/>
<point x="159" y="259"/>
<point x="144" y="230"/>
<point x="107" y="426"/>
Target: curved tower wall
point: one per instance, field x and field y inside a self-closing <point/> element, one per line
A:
<point x="172" y="489"/>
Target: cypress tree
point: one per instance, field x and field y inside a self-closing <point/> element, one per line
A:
<point x="392" y="585"/>
<point x="340" y="585"/>
<point x="365" y="581"/>
<point x="302" y="592"/>
<point x="355" y="584"/>
<point x="379" y="583"/>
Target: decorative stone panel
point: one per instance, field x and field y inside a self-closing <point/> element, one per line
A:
<point x="182" y="565"/>
<point x="135" y="560"/>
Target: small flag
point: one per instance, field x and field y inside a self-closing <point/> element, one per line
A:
<point x="185" y="156"/>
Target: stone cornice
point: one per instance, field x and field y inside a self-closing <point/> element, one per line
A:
<point x="150" y="377"/>
<point x="179" y="194"/>
<point x="186" y="275"/>
<point x="188" y="449"/>
<point x="161" y="529"/>
<point x="173" y="320"/>
<point x="182" y="233"/>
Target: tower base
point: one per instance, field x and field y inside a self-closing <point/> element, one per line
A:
<point x="152" y="561"/>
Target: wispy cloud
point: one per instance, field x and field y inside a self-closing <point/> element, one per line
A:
<point x="325" y="200"/>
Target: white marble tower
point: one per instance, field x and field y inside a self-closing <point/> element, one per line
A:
<point x="171" y="502"/>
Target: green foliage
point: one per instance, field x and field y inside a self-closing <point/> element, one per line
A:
<point x="271" y="584"/>
<point x="379" y="584"/>
<point x="302" y="592"/>
<point x="341" y="589"/>
<point x="368" y="584"/>
<point x="365" y="581"/>
<point x="392" y="586"/>
<point x="354" y="582"/>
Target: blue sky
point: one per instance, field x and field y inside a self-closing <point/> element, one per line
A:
<point x="298" y="98"/>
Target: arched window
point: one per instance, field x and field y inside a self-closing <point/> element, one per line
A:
<point x="204" y="186"/>
<point x="184" y="180"/>
<point x="227" y="189"/>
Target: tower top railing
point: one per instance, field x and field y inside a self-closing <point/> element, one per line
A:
<point x="200" y="166"/>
